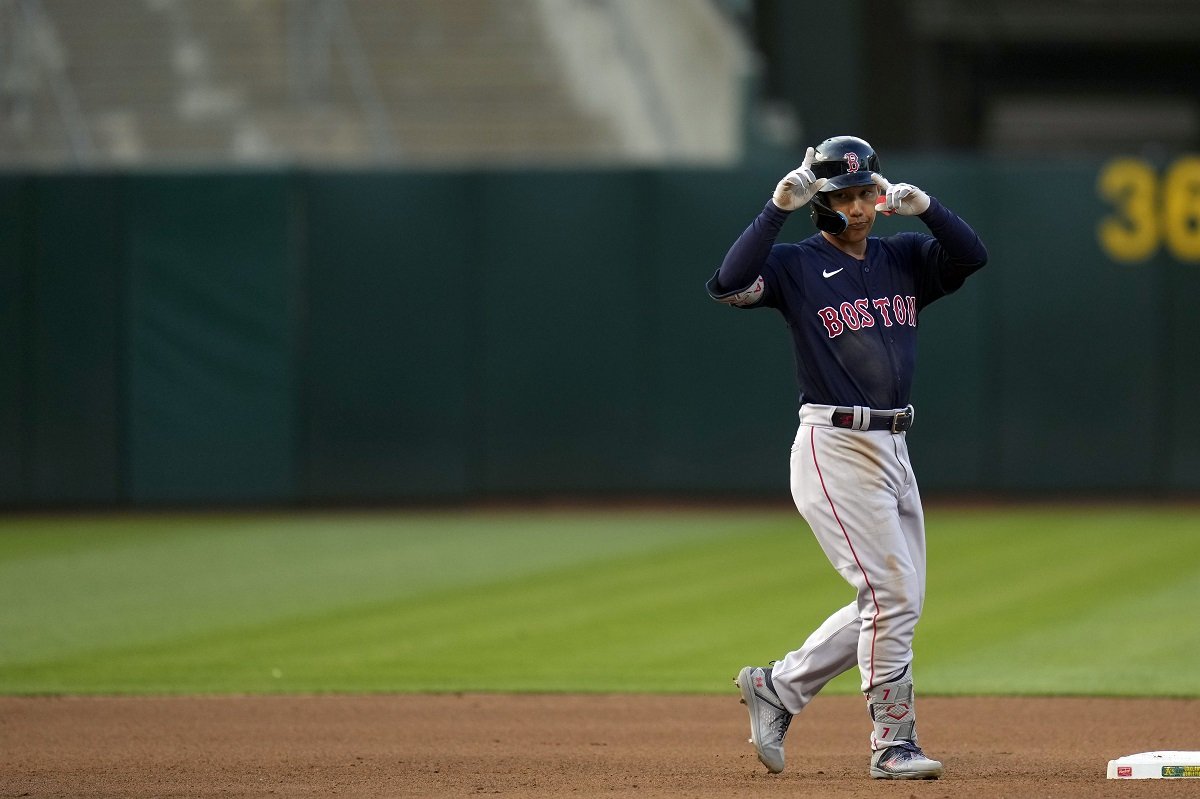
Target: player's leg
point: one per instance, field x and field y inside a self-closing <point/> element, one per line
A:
<point x="773" y="694"/>
<point x="833" y="647"/>
<point x="845" y="485"/>
<point x="896" y="752"/>
<point x="830" y="650"/>
<point x="877" y="546"/>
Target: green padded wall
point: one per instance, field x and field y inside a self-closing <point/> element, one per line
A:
<point x="17" y="213"/>
<point x="562" y="278"/>
<point x="209" y="332"/>
<point x="392" y="338"/>
<point x="76" y="308"/>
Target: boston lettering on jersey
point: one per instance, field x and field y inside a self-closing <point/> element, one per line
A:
<point x="857" y="315"/>
<point x="853" y="322"/>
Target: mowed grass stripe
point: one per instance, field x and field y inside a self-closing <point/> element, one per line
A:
<point x="1091" y="601"/>
<point x="74" y="584"/>
<point x="619" y="623"/>
<point x="1081" y="601"/>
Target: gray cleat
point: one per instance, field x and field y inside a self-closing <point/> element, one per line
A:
<point x="769" y="719"/>
<point x="904" y="761"/>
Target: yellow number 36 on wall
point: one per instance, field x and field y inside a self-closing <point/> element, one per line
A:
<point x="1150" y="212"/>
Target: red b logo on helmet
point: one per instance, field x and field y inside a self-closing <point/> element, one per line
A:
<point x="851" y="162"/>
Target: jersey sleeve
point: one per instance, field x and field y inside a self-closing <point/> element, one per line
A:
<point x="743" y="279"/>
<point x="952" y="254"/>
<point x="748" y="297"/>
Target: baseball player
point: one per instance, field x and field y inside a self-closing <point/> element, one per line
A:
<point x="852" y="302"/>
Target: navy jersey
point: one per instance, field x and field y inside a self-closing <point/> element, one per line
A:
<point x="853" y="323"/>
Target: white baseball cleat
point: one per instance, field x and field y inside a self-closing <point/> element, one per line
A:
<point x="769" y="719"/>
<point x="904" y="761"/>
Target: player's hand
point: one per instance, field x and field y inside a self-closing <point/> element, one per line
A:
<point x="900" y="198"/>
<point x="799" y="186"/>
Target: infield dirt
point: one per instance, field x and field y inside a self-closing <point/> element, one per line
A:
<point x="549" y="745"/>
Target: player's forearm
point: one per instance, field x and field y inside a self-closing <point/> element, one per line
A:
<point x="745" y="259"/>
<point x="960" y="243"/>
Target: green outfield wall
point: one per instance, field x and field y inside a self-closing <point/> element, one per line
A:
<point x="308" y="337"/>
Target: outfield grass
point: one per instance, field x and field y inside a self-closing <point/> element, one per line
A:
<point x="1022" y="600"/>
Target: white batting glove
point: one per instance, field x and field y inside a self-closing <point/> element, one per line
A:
<point x="799" y="186"/>
<point x="900" y="198"/>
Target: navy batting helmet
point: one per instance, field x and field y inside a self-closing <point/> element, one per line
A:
<point x="844" y="161"/>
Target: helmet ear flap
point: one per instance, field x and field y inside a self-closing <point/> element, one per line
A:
<point x="825" y="218"/>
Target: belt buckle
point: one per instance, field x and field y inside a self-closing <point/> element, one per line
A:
<point x="903" y="416"/>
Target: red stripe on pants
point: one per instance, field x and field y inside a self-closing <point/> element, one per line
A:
<point x="812" y="437"/>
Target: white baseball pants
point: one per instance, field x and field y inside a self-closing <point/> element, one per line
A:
<point x="857" y="492"/>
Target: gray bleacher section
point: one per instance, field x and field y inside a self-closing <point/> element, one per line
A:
<point x="98" y="82"/>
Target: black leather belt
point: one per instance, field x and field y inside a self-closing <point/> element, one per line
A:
<point x="894" y="422"/>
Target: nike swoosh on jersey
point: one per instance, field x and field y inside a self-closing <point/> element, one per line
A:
<point x="830" y="274"/>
